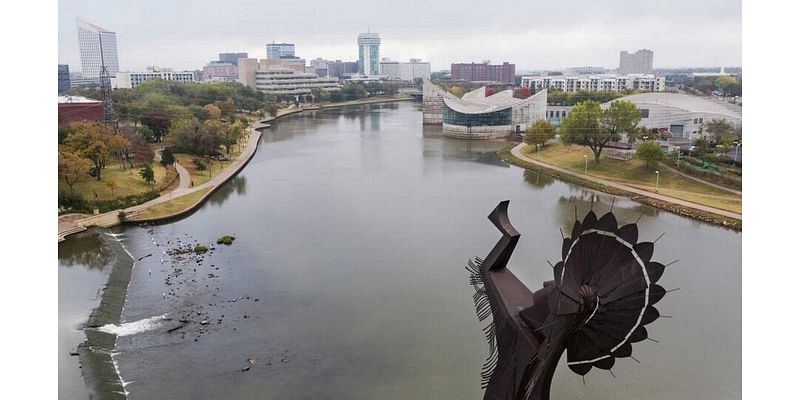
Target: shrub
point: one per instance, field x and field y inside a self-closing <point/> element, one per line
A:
<point x="72" y="201"/>
<point x="650" y="152"/>
<point x="226" y="240"/>
<point x="200" y="249"/>
<point x="121" y="215"/>
<point x="200" y="164"/>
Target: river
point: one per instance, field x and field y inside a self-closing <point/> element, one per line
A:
<point x="346" y="279"/>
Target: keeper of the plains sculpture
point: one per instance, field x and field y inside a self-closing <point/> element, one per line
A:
<point x="601" y="297"/>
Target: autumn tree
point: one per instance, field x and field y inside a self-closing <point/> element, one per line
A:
<point x="72" y="168"/>
<point x="458" y="91"/>
<point x="231" y="135"/>
<point x="112" y="184"/>
<point x="213" y="111"/>
<point x="540" y="132"/>
<point x="91" y="140"/>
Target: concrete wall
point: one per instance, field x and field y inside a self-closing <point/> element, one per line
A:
<point x="432" y="103"/>
<point x="476" y="132"/>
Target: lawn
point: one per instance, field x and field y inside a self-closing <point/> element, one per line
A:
<point x="213" y="167"/>
<point x="128" y="182"/>
<point x="635" y="173"/>
<point x="172" y="206"/>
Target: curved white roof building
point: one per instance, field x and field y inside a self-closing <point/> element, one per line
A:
<point x="477" y="116"/>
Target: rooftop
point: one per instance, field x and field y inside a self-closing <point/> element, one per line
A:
<point x="476" y="101"/>
<point x="75" y="99"/>
<point x="684" y="102"/>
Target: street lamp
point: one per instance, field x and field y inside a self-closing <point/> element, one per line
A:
<point x="538" y="153"/>
<point x="736" y="154"/>
<point x="657" y="174"/>
<point x="585" y="164"/>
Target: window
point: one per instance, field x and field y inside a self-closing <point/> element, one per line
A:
<point x="645" y="112"/>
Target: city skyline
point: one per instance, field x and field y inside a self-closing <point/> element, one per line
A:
<point x="186" y="38"/>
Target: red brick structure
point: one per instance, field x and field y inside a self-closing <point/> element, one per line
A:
<point x="483" y="72"/>
<point x="76" y="108"/>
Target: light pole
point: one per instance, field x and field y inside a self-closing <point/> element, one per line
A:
<point x="585" y="164"/>
<point x="538" y="153"/>
<point x="657" y="174"/>
<point x="736" y="154"/>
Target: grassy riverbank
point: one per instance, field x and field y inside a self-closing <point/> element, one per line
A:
<point x="635" y="173"/>
<point x="505" y="154"/>
<point x="171" y="207"/>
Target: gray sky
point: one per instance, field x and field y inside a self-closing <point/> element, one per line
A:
<point x="532" y="34"/>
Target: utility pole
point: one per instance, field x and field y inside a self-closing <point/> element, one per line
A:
<point x="105" y="87"/>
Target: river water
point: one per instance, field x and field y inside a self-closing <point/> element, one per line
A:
<point x="346" y="279"/>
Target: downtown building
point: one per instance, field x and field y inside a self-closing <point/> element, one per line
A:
<point x="369" y="53"/>
<point x="231" y="58"/>
<point x="405" y="71"/>
<point x="339" y="69"/>
<point x="640" y="62"/>
<point x="131" y="80"/>
<point x="278" y="51"/>
<point x="483" y="72"/>
<point x="279" y="79"/>
<point x="98" y="47"/>
<point x="595" y="83"/>
<point x="63" y="79"/>
<point x="218" y="71"/>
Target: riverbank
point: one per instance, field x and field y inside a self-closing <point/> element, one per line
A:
<point x="513" y="154"/>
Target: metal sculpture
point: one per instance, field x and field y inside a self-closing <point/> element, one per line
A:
<point x="602" y="295"/>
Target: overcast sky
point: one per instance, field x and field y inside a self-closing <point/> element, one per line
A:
<point x="532" y="34"/>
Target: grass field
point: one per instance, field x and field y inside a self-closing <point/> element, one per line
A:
<point x="128" y="182"/>
<point x="636" y="174"/>
<point x="214" y="167"/>
<point x="172" y="206"/>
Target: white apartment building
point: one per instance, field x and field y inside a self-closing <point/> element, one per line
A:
<point x="130" y="80"/>
<point x="405" y="71"/>
<point x="97" y="46"/>
<point x="640" y="62"/>
<point x="595" y="83"/>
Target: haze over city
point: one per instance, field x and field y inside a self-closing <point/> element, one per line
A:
<point x="534" y="35"/>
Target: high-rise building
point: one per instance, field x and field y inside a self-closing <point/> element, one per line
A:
<point x="231" y="58"/>
<point x="340" y="68"/>
<point x="406" y="71"/>
<point x="276" y="51"/>
<point x="63" y="78"/>
<point x="483" y="72"/>
<point x="98" y="46"/>
<point x="640" y="62"/>
<point x="369" y="53"/>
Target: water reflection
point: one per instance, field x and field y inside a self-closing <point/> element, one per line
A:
<point x="236" y="185"/>
<point x="537" y="179"/>
<point x="85" y="250"/>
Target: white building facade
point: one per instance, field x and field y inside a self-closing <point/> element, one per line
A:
<point x="406" y="71"/>
<point x="97" y="46"/>
<point x="130" y="80"/>
<point x="595" y="83"/>
<point x="289" y="82"/>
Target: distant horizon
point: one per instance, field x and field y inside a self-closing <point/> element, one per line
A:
<point x="170" y="35"/>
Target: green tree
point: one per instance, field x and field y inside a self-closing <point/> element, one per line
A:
<point x="148" y="175"/>
<point x="72" y="168"/>
<point x="157" y="122"/>
<point x="719" y="129"/>
<point x="650" y="152"/>
<point x="540" y="132"/>
<point x="588" y="125"/>
<point x="167" y="158"/>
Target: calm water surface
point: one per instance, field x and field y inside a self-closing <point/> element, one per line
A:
<point x="352" y="230"/>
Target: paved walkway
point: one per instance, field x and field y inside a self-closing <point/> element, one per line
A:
<point x="72" y="223"/>
<point x="517" y="152"/>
